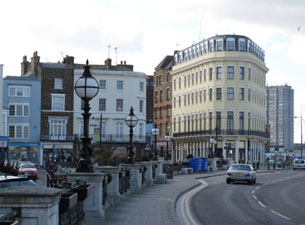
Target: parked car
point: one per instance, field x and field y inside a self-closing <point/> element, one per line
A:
<point x="12" y="181"/>
<point x="298" y="164"/>
<point x="241" y="172"/>
<point x="29" y="169"/>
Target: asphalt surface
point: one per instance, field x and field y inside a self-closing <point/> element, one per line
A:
<point x="270" y="201"/>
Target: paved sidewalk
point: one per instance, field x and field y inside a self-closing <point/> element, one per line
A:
<point x="155" y="205"/>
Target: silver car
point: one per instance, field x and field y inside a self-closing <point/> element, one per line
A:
<point x="241" y="172"/>
<point x="298" y="164"/>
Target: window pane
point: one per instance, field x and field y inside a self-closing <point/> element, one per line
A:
<point x="25" y="132"/>
<point x="19" y="110"/>
<point x="102" y="84"/>
<point x="141" y="86"/>
<point x="19" y="91"/>
<point x="102" y="104"/>
<point x="26" y="92"/>
<point x="12" y="110"/>
<point x="119" y="85"/>
<point x="11" y="131"/>
<point x="230" y="72"/>
<point x="58" y="83"/>
<point x="18" y="131"/>
<point x="26" y="110"/>
<point x="119" y="105"/>
<point x="12" y="91"/>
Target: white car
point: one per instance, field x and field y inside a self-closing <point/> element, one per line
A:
<point x="298" y="164"/>
<point x="241" y="172"/>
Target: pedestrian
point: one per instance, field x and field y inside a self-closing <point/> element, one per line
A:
<point x="51" y="169"/>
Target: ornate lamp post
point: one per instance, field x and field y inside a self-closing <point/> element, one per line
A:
<point x="167" y="139"/>
<point x="131" y="121"/>
<point x="155" y="132"/>
<point x="86" y="87"/>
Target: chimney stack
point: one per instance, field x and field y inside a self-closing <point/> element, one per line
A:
<point x="108" y="63"/>
<point x="35" y="62"/>
<point x="24" y="65"/>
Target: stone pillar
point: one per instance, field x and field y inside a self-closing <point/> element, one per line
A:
<point x="237" y="151"/>
<point x="246" y="152"/>
<point x="214" y="164"/>
<point x="148" y="173"/>
<point x="113" y="187"/>
<point x="93" y="204"/>
<point x="224" y="152"/>
<point x="135" y="177"/>
<point x="39" y="205"/>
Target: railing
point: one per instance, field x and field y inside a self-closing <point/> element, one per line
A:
<point x="56" y="138"/>
<point x="107" y="179"/>
<point x="223" y="132"/>
<point x="9" y="218"/>
<point x="143" y="171"/>
<point x="154" y="168"/>
<point x="124" y="181"/>
<point x="123" y="138"/>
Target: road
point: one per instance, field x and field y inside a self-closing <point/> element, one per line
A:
<point x="277" y="198"/>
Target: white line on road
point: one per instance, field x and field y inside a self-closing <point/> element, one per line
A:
<point x="183" y="207"/>
<point x="253" y="191"/>
<point x="254" y="197"/>
<point x="261" y="204"/>
<point x="276" y="213"/>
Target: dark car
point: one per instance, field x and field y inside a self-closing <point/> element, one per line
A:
<point x="13" y="181"/>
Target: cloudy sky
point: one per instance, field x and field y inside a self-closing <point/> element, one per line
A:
<point x="145" y="31"/>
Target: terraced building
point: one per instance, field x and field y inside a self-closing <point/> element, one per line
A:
<point x="219" y="100"/>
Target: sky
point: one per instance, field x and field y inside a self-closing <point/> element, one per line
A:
<point x="144" y="32"/>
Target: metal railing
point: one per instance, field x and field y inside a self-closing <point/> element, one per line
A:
<point x="124" y="181"/>
<point x="143" y="171"/>
<point x="223" y="132"/>
<point x="107" y="179"/>
<point x="9" y="218"/>
<point x="56" y="138"/>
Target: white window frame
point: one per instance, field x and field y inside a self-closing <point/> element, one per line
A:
<point x="230" y="40"/>
<point x="54" y="96"/>
<point x="23" y="126"/>
<point x="219" y="48"/>
<point x="15" y="110"/>
<point x="119" y="130"/>
<point x="230" y="99"/>
<point x="142" y="86"/>
<point x="99" y="104"/>
<point x="57" y="119"/>
<point x="26" y="91"/>
<point x="119" y="85"/>
<point x="102" y="84"/>
<point x="118" y="109"/>
<point x="141" y="106"/>
<point x="58" y="83"/>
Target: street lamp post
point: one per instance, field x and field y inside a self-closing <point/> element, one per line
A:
<point x="301" y="135"/>
<point x="167" y="139"/>
<point x="86" y="87"/>
<point x="131" y="121"/>
<point x="155" y="132"/>
<point x="213" y="142"/>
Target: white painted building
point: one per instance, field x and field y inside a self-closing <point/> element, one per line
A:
<point x="119" y="91"/>
<point x="3" y="112"/>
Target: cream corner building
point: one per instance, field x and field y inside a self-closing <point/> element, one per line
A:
<point x="219" y="100"/>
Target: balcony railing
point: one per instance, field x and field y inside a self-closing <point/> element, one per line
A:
<point x="224" y="132"/>
<point x="120" y="138"/>
<point x="56" y="138"/>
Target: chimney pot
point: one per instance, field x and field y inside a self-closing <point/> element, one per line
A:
<point x="24" y="58"/>
<point x="124" y="62"/>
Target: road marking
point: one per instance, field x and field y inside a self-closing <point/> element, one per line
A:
<point x="253" y="191"/>
<point x="183" y="205"/>
<point x="261" y="204"/>
<point x="278" y="214"/>
<point x="257" y="188"/>
<point x="254" y="197"/>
